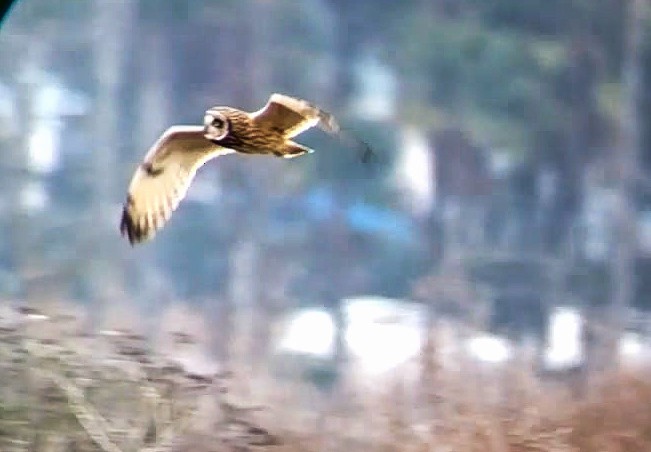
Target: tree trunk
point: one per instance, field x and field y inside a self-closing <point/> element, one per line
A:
<point x="17" y="183"/>
<point x="22" y="228"/>
<point x="113" y="23"/>
<point x="624" y="217"/>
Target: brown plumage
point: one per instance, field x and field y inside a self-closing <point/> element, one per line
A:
<point x="246" y="136"/>
<point x="162" y="180"/>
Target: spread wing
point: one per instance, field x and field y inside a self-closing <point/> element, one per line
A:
<point x="293" y="116"/>
<point x="163" y="178"/>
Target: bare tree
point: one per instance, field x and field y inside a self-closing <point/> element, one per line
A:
<point x="17" y="184"/>
<point x="627" y="158"/>
<point x="22" y="229"/>
<point x="113" y="23"/>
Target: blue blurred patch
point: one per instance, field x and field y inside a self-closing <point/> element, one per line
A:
<point x="319" y="204"/>
<point x="365" y="218"/>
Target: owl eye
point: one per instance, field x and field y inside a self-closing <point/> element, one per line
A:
<point x="217" y="122"/>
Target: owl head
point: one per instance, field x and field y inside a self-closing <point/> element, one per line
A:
<point x="215" y="125"/>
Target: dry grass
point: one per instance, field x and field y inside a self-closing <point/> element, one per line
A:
<point x="62" y="389"/>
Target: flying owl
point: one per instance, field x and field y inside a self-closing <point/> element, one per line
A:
<point x="162" y="179"/>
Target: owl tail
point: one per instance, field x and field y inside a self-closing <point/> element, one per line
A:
<point x="292" y="149"/>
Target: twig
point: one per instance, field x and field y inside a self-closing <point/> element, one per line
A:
<point x="170" y="434"/>
<point x="90" y="420"/>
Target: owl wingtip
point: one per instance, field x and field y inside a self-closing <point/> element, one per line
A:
<point x="126" y="228"/>
<point x="129" y="229"/>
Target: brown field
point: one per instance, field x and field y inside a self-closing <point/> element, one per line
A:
<point x="63" y="389"/>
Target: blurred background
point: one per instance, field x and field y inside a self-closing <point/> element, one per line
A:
<point x="508" y="212"/>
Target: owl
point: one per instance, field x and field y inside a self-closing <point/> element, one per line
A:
<point x="162" y="179"/>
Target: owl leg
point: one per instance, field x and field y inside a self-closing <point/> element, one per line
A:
<point x="291" y="150"/>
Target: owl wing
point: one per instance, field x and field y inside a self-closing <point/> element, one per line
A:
<point x="162" y="180"/>
<point x="293" y="116"/>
